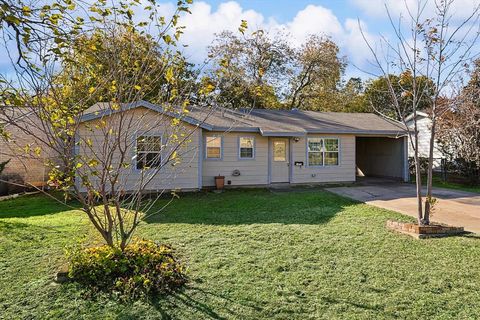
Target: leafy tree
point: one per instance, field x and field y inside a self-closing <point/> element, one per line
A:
<point x="379" y="98"/>
<point x="161" y="74"/>
<point x="459" y="127"/>
<point x="471" y="93"/>
<point x="249" y="69"/>
<point x="315" y="75"/>
<point x="353" y="96"/>
<point x="105" y="56"/>
<point x="28" y="24"/>
<point x="264" y="71"/>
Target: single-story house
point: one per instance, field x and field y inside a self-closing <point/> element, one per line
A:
<point x="252" y="147"/>
<point x="424" y="126"/>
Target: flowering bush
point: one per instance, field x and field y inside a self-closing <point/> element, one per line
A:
<point x="143" y="268"/>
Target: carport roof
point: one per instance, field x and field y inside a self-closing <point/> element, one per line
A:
<point x="269" y="122"/>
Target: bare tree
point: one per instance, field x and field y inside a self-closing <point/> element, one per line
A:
<point x="109" y="155"/>
<point x="116" y="157"/>
<point x="436" y="47"/>
<point x="459" y="129"/>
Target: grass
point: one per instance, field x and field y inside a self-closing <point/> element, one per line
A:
<point x="252" y="254"/>
<point x="439" y="183"/>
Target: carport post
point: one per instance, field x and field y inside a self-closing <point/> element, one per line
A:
<point x="406" y="169"/>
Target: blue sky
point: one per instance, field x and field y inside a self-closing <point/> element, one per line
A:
<point x="285" y="10"/>
<point x="338" y="19"/>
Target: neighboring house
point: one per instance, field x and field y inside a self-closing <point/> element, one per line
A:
<point x="23" y="168"/>
<point x="424" y="125"/>
<point x="258" y="147"/>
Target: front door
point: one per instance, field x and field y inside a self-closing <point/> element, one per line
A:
<point x="280" y="161"/>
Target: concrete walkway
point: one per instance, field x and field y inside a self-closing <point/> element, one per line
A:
<point x="457" y="208"/>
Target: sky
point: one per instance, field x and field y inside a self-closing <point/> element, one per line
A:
<point x="339" y="19"/>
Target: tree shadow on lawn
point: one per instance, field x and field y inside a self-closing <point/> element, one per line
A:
<point x="197" y="303"/>
<point x="252" y="206"/>
<point x="30" y="206"/>
<point x="26" y="232"/>
<point x="190" y="302"/>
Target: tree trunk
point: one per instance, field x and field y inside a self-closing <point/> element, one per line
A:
<point x="426" y="217"/>
<point x="108" y="236"/>
<point x="418" y="179"/>
<point x="123" y="243"/>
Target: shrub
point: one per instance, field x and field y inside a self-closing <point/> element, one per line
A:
<point x="143" y="268"/>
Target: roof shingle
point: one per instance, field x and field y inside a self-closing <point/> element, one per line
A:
<point x="273" y="122"/>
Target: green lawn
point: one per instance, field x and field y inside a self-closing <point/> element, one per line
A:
<point x="438" y="182"/>
<point x="252" y="254"/>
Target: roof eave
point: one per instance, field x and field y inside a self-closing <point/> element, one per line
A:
<point x="148" y="105"/>
<point x="235" y="129"/>
<point x="361" y="132"/>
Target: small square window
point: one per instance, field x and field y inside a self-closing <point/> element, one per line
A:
<point x="148" y="152"/>
<point x="323" y="151"/>
<point x="214" y="147"/>
<point x="246" y="146"/>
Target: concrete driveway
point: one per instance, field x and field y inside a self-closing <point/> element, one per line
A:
<point x="457" y="208"/>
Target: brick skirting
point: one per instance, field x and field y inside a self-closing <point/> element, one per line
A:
<point x="423" y="232"/>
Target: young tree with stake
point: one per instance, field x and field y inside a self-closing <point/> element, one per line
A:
<point x="436" y="48"/>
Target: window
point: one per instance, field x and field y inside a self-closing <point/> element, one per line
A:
<point x="149" y="152"/>
<point x="315" y="152"/>
<point x="246" y="146"/>
<point x="279" y="151"/>
<point x="322" y="152"/>
<point x="331" y="152"/>
<point x="214" y="148"/>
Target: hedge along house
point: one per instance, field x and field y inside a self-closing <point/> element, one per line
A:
<point x="255" y="147"/>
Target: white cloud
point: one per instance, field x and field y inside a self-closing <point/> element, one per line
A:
<point x="354" y="43"/>
<point x="314" y="20"/>
<point x="204" y="22"/>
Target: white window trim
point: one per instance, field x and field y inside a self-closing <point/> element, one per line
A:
<point x="253" y="148"/>
<point x="323" y="152"/>
<point x="157" y="152"/>
<point x="221" y="148"/>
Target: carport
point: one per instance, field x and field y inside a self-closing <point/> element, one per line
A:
<point x="382" y="156"/>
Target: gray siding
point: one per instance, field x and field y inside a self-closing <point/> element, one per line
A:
<point x="344" y="172"/>
<point x="252" y="171"/>
<point x="183" y="175"/>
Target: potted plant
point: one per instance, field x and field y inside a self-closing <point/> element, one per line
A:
<point x="219" y="182"/>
